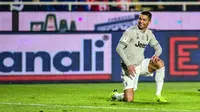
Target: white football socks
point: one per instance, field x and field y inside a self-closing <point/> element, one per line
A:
<point x="159" y="78"/>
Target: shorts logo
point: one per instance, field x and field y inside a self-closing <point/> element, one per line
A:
<point x="181" y="51"/>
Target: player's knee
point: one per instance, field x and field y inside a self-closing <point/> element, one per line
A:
<point x="128" y="95"/>
<point x="160" y="64"/>
<point x="128" y="98"/>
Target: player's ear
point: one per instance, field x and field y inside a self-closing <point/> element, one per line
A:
<point x="149" y="21"/>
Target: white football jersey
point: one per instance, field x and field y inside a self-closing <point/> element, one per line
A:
<point x="136" y="41"/>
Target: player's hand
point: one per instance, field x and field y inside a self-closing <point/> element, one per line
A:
<point x="131" y="70"/>
<point x="155" y="58"/>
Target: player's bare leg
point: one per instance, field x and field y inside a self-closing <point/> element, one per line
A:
<point x="130" y="86"/>
<point x="158" y="66"/>
<point x="129" y="95"/>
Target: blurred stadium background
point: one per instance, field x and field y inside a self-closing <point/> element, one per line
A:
<point x="44" y="43"/>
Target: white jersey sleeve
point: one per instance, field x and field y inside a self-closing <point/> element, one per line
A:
<point x="123" y="43"/>
<point x="126" y="38"/>
<point x="155" y="44"/>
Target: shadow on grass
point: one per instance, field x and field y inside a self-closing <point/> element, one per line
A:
<point x="139" y="103"/>
<point x="149" y="103"/>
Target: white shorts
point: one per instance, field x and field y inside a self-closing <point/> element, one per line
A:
<point x="130" y="81"/>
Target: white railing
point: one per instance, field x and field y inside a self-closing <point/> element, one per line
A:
<point x="183" y="4"/>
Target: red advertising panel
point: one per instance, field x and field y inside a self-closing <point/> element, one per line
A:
<point x="180" y="56"/>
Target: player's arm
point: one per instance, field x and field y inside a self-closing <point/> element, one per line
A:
<point x="123" y="43"/>
<point x="120" y="50"/>
<point x="158" y="49"/>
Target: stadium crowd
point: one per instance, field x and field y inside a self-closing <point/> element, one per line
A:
<point x="102" y="7"/>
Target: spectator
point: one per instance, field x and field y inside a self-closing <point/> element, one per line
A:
<point x="48" y="7"/>
<point x="193" y="7"/>
<point x="99" y="7"/>
<point x="79" y="7"/>
<point x="62" y="7"/>
<point x="172" y="7"/>
<point x="31" y="7"/>
<point x="114" y="7"/>
<point x="54" y="7"/>
<point x="135" y="7"/>
<point x="124" y="7"/>
<point x="83" y="7"/>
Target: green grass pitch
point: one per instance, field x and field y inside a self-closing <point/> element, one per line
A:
<point x="92" y="97"/>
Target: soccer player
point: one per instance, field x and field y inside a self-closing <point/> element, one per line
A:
<point x="131" y="51"/>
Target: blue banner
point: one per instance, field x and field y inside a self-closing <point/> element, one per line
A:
<point x="181" y="53"/>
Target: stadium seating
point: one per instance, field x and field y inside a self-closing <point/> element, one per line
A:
<point x="103" y="7"/>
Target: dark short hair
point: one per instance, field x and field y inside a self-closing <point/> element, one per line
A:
<point x="147" y="13"/>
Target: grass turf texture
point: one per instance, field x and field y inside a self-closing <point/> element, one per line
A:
<point x="92" y="97"/>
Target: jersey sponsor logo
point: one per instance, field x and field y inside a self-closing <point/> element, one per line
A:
<point x="141" y="45"/>
<point x="182" y="49"/>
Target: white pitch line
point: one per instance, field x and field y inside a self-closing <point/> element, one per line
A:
<point x="94" y="107"/>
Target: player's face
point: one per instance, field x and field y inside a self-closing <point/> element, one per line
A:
<point x="143" y="22"/>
